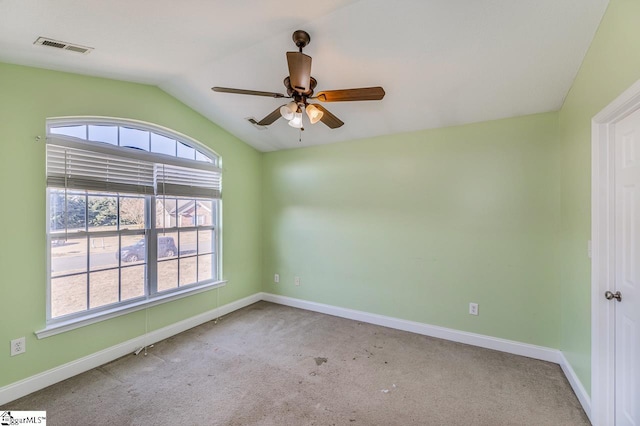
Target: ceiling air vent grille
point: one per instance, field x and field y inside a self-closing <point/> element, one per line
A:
<point x="43" y="41"/>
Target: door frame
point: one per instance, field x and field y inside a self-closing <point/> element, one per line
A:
<point x="603" y="126"/>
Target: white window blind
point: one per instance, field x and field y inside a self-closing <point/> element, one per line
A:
<point x="179" y="181"/>
<point x="99" y="167"/>
<point x="73" y="168"/>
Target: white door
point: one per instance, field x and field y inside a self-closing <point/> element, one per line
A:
<point x="627" y="270"/>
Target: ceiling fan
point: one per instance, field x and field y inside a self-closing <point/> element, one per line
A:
<point x="300" y="86"/>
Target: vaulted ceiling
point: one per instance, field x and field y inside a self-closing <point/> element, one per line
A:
<point x="441" y="62"/>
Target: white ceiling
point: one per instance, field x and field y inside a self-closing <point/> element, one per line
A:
<point x="441" y="62"/>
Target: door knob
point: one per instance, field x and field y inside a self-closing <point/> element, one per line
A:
<point x="615" y="295"/>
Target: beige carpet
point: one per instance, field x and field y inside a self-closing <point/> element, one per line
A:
<point x="274" y="365"/>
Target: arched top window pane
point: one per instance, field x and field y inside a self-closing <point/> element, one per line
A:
<point x="131" y="135"/>
<point x="79" y="132"/>
<point x="163" y="145"/>
<point x="185" y="151"/>
<point x="134" y="138"/>
<point x="106" y="134"/>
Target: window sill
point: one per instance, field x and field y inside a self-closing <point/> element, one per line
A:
<point x="72" y="324"/>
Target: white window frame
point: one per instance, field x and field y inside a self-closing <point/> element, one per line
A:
<point x="61" y="324"/>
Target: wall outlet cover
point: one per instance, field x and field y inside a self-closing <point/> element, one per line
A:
<point x="473" y="308"/>
<point x="18" y="346"/>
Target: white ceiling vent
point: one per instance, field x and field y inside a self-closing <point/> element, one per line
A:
<point x="57" y="44"/>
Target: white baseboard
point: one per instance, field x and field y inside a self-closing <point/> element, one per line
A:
<point x="576" y="384"/>
<point x="503" y="345"/>
<point x="47" y="378"/>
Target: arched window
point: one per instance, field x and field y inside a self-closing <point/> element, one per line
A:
<point x="133" y="217"/>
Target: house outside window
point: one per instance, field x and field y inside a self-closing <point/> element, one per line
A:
<point x="133" y="217"/>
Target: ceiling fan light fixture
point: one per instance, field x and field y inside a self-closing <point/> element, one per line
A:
<point x="314" y="113"/>
<point x="300" y="86"/>
<point x="296" y="121"/>
<point x="287" y="111"/>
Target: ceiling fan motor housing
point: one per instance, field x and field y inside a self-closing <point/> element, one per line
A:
<point x="291" y="92"/>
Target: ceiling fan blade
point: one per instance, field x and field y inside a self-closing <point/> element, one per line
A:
<point x="299" y="71"/>
<point x="269" y="119"/>
<point x="247" y="92"/>
<point x="329" y="119"/>
<point x="361" y="94"/>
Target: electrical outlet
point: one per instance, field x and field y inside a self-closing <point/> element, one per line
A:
<point x="18" y="346"/>
<point x="276" y="278"/>
<point x="297" y="280"/>
<point x="473" y="309"/>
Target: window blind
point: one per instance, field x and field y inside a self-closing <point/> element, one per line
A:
<point x="182" y="181"/>
<point x="99" y="167"/>
<point x="83" y="169"/>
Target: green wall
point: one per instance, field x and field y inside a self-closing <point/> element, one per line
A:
<point x="611" y="65"/>
<point x="413" y="225"/>
<point x="27" y="97"/>
<point x="417" y="225"/>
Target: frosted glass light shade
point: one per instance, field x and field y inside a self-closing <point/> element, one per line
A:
<point x="314" y="113"/>
<point x="287" y="111"/>
<point x="296" y="121"/>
